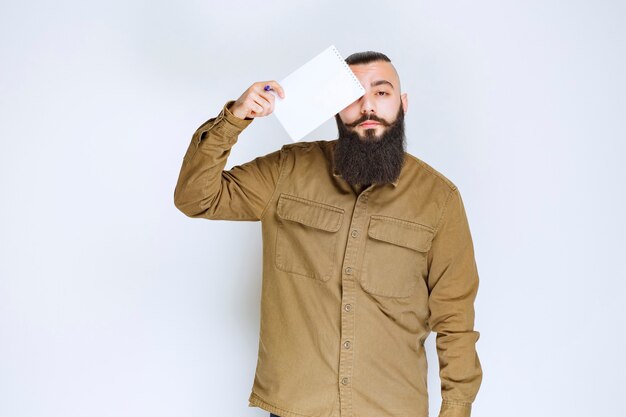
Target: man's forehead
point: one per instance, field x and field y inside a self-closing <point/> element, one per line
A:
<point x="376" y="72"/>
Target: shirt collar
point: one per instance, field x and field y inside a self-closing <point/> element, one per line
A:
<point x="337" y="175"/>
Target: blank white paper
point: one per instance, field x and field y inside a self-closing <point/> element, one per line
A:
<point x="315" y="92"/>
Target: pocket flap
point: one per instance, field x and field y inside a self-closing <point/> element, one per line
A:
<point x="400" y="232"/>
<point x="310" y="213"/>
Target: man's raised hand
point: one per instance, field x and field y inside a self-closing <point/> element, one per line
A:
<point x="255" y="101"/>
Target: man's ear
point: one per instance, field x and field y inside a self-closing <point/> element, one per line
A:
<point x="405" y="102"/>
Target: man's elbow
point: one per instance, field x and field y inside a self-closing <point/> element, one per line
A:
<point x="187" y="207"/>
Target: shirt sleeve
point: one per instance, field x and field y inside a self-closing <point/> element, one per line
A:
<point x="205" y="190"/>
<point x="453" y="285"/>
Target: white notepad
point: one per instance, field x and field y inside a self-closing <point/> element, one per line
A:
<point x="315" y="92"/>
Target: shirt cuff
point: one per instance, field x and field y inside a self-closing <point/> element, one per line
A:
<point x="451" y="408"/>
<point x="234" y="120"/>
<point x="226" y="126"/>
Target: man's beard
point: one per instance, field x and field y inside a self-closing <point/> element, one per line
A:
<point x="370" y="159"/>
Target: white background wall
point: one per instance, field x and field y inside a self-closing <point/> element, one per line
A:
<point x="113" y="303"/>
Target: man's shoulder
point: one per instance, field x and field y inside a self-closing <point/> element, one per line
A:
<point x="427" y="172"/>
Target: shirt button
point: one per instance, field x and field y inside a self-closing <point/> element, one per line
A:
<point x="345" y="381"/>
<point x="348" y="270"/>
<point x="348" y="307"/>
<point x="346" y="344"/>
<point x="354" y="233"/>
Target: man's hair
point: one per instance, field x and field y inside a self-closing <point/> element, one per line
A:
<point x="366" y="57"/>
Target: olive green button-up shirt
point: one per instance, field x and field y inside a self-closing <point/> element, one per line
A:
<point x="353" y="280"/>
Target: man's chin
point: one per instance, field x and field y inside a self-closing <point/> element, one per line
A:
<point x="369" y="135"/>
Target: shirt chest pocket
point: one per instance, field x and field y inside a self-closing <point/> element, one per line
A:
<point x="306" y="237"/>
<point x="395" y="256"/>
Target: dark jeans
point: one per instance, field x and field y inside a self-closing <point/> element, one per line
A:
<point x="273" y="415"/>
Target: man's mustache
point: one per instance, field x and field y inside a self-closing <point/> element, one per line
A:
<point x="367" y="118"/>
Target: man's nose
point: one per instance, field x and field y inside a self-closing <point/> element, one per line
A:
<point x="367" y="106"/>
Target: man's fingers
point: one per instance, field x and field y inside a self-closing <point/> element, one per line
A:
<point x="267" y="96"/>
<point x="271" y="98"/>
<point x="256" y="101"/>
<point x="261" y="104"/>
<point x="276" y="87"/>
<point x="262" y="99"/>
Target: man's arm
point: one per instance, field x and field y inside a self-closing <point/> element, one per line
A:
<point x="453" y="284"/>
<point x="205" y="190"/>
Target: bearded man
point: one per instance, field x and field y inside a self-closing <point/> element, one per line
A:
<point x="366" y="250"/>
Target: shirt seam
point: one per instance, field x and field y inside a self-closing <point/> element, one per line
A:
<point x="280" y="408"/>
<point x="445" y="209"/>
<point x="440" y="177"/>
<point x="457" y="402"/>
<point x="280" y="176"/>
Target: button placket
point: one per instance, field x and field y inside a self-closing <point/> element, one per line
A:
<point x="346" y="357"/>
